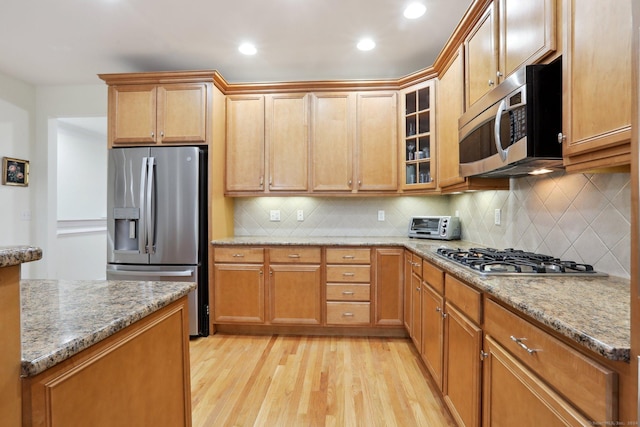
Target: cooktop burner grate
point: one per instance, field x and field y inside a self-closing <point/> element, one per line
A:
<point x="489" y="261"/>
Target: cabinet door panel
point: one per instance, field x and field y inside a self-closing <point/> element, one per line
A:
<point x="388" y="286"/>
<point x="377" y="142"/>
<point x="450" y="105"/>
<point x="481" y="57"/>
<point x="245" y="143"/>
<point x="597" y="80"/>
<point x="133" y="113"/>
<point x="295" y="294"/>
<point x="332" y="142"/>
<point x="182" y="113"/>
<point x="527" y="32"/>
<point x="287" y="136"/>
<point x="462" y="364"/>
<point x="432" y="332"/>
<point x="238" y="293"/>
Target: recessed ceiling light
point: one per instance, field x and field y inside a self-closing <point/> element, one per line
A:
<point x="414" y="10"/>
<point x="366" y="44"/>
<point x="247" y="49"/>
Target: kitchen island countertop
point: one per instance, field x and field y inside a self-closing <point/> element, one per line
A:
<point x="60" y="318"/>
<point x="592" y="311"/>
<point x="14" y="255"/>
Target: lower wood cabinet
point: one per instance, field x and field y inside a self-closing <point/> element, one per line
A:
<point x="513" y="395"/>
<point x="348" y="277"/>
<point x="294" y="286"/>
<point x="463" y="368"/>
<point x="433" y="332"/>
<point x="136" y="377"/>
<point x="540" y="361"/>
<point x="238" y="285"/>
<point x="389" y="310"/>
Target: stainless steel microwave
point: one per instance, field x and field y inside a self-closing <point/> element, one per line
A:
<point x="435" y="227"/>
<point x="513" y="130"/>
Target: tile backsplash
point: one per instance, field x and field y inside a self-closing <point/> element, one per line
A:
<point x="582" y="217"/>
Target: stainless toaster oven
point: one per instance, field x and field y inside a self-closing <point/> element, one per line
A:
<point x="435" y="227"/>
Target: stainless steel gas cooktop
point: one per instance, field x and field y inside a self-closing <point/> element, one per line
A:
<point x="488" y="261"/>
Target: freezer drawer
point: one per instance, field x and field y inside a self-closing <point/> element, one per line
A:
<point x="168" y="273"/>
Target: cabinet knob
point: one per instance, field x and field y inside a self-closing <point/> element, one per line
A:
<point x="561" y="138"/>
<point x="438" y="309"/>
<point x="491" y="82"/>
<point x="498" y="74"/>
<point x="261" y="181"/>
<point x="162" y="134"/>
<point x="349" y="183"/>
<point x="359" y="183"/>
<point x="153" y="134"/>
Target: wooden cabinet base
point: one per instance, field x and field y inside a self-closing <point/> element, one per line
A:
<point x="138" y="377"/>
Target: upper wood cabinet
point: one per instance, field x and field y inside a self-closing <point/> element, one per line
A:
<point x="354" y="142"/>
<point x="597" y="84"/>
<point x="509" y="35"/>
<point x="377" y="141"/>
<point x="245" y="143"/>
<point x="418" y="143"/>
<point x="159" y="114"/>
<point x="450" y="106"/>
<point x="332" y="141"/>
<point x="287" y="141"/>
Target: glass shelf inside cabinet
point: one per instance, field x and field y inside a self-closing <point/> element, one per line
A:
<point x="417" y="138"/>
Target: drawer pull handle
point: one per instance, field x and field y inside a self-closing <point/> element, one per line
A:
<point x="348" y="257"/>
<point x="347" y="314"/>
<point x="348" y="274"/>
<point x="347" y="292"/>
<point x="520" y="342"/>
<point x="294" y="256"/>
<point x="238" y="255"/>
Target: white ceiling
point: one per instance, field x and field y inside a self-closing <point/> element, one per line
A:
<point x="51" y="42"/>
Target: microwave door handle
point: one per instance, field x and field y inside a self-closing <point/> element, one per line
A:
<point x="142" y="230"/>
<point x="496" y="130"/>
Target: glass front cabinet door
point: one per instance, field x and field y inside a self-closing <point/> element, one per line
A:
<point x="418" y="143"/>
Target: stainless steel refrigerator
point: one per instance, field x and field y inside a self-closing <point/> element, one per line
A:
<point x="157" y="220"/>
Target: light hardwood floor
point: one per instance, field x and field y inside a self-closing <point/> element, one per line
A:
<point x="240" y="380"/>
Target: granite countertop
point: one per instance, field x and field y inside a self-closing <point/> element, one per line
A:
<point x="592" y="311"/>
<point x="14" y="255"/>
<point x="60" y="318"/>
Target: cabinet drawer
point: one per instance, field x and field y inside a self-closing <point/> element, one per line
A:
<point x="416" y="265"/>
<point x="467" y="299"/>
<point x="588" y="385"/>
<point x="348" y="313"/>
<point x="348" y="256"/>
<point x="351" y="292"/>
<point x="239" y="254"/>
<point x="295" y="255"/>
<point x="349" y="273"/>
<point x="433" y="276"/>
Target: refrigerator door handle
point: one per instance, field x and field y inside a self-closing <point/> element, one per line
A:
<point x="142" y="231"/>
<point x="150" y="207"/>
<point x="184" y="273"/>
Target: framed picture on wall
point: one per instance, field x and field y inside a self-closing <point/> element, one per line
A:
<point x="15" y="172"/>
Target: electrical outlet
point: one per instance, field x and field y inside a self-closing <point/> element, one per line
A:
<point x="25" y="215"/>
<point x="274" y="215"/>
<point x="300" y="215"/>
<point x="496" y="216"/>
<point x="380" y="215"/>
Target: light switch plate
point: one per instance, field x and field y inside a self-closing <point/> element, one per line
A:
<point x="497" y="215"/>
<point x="274" y="215"/>
<point x="380" y="215"/>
